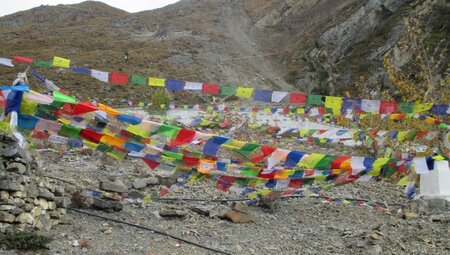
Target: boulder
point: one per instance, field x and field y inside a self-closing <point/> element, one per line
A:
<point x="16" y="168"/>
<point x="107" y="205"/>
<point x="115" y="186"/>
<point x="7" y="217"/>
<point x="10" y="185"/>
<point x="45" y="194"/>
<point x="237" y="217"/>
<point x="140" y="183"/>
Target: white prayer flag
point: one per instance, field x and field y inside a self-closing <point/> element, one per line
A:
<point x="357" y="164"/>
<point x="420" y="165"/>
<point x="193" y="85"/>
<point x="100" y="75"/>
<point x="370" y="105"/>
<point x="6" y="62"/>
<point x="277" y="96"/>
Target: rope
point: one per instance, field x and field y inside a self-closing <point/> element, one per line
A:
<point x="160" y="232"/>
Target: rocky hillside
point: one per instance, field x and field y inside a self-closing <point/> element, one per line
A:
<point x="320" y="46"/>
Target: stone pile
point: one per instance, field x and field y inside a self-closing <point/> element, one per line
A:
<point x="27" y="201"/>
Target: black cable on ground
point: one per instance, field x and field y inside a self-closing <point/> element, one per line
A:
<point x="150" y="229"/>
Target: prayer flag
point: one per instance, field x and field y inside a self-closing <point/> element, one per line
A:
<point x="61" y="62"/>
<point x="193" y="86"/>
<point x="138" y="80"/>
<point x="212" y="89"/>
<point x="175" y="85"/>
<point x="185" y="136"/>
<point x="100" y="75"/>
<point x="277" y="96"/>
<point x="60" y="97"/>
<point x="227" y="90"/>
<point x="244" y="92"/>
<point x="370" y="105"/>
<point x="315" y="100"/>
<point x="262" y="95"/>
<point x="297" y="98"/>
<point x="22" y="59"/>
<point x="334" y="103"/>
<point x="6" y="62"/>
<point x="156" y="82"/>
<point x="213" y="145"/>
<point x="118" y="78"/>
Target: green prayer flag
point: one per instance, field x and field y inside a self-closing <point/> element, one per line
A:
<point x="69" y="131"/>
<point x="41" y="63"/>
<point x="406" y="107"/>
<point x="103" y="147"/>
<point x="325" y="162"/>
<point x="228" y="90"/>
<point x="248" y="148"/>
<point x="174" y="155"/>
<point x="60" y="97"/>
<point x="138" y="80"/>
<point x="168" y="131"/>
<point x="316" y="100"/>
<point x="250" y="172"/>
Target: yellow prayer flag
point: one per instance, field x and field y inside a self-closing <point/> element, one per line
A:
<point x="111" y="111"/>
<point x="310" y="161"/>
<point x="244" y="92"/>
<point x="377" y="165"/>
<point x="301" y="110"/>
<point x="422" y="107"/>
<point x="61" y="62"/>
<point x="157" y="82"/>
<point x="402" y="135"/>
<point x="334" y="103"/>
<point x="28" y="106"/>
<point x="403" y="181"/>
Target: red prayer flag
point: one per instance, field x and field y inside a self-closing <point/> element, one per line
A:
<point x="84" y="107"/>
<point x="118" y="78"/>
<point x="388" y="107"/>
<point x="224" y="183"/>
<point x="40" y="134"/>
<point x="190" y="161"/>
<point x="184" y="136"/>
<point x="210" y="89"/>
<point x="296" y="184"/>
<point x="152" y="164"/>
<point x="22" y="59"/>
<point x="297" y="98"/>
<point x="90" y="135"/>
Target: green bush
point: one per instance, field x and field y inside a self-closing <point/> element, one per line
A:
<point x="24" y="240"/>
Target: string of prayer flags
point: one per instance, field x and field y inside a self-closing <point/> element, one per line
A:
<point x="61" y="62"/>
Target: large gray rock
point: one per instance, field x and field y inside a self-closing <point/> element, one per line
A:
<point x="10" y="185"/>
<point x="140" y="183"/>
<point x="107" y="205"/>
<point x="45" y="194"/>
<point x="15" y="151"/>
<point x="116" y="186"/>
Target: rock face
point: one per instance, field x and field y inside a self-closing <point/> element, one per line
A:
<point x="26" y="200"/>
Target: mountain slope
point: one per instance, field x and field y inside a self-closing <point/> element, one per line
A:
<point x="323" y="46"/>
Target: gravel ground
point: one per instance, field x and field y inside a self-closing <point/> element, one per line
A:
<point x="288" y="226"/>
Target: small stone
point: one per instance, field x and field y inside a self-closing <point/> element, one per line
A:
<point x="408" y="215"/>
<point x="61" y="211"/>
<point x="7" y="217"/>
<point x="62" y="202"/>
<point x="18" y="194"/>
<point x="152" y="181"/>
<point x="375" y="249"/>
<point x="155" y="215"/>
<point x="54" y="215"/>
<point x="10" y="185"/>
<point x="25" y="218"/>
<point x="28" y="207"/>
<point x="17" y="202"/>
<point x="51" y="205"/>
<point x="65" y="220"/>
<point x="43" y="203"/>
<point x="361" y="244"/>
<point x="135" y="194"/>
<point x="36" y="212"/>
<point x="203" y="209"/>
<point x="237" y="217"/>
<point x="219" y="211"/>
<point x="140" y="183"/>
<point x="59" y="191"/>
<point x="439" y="218"/>
<point x="116" y="186"/>
<point x="240" y="207"/>
<point x="7" y="208"/>
<point x="45" y="194"/>
<point x="107" y="231"/>
<point x="173" y="213"/>
<point x="4" y="195"/>
<point x="16" y="168"/>
<point x="32" y="191"/>
<point x="112" y="195"/>
<point x="167" y="181"/>
<point x="16" y="211"/>
<point x="75" y="243"/>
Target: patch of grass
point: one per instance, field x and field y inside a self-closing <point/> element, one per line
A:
<point x="25" y="240"/>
